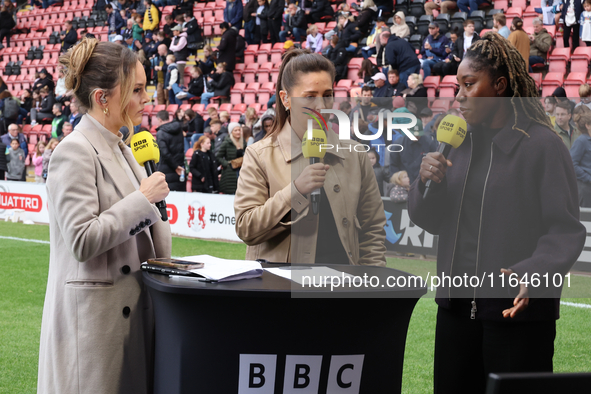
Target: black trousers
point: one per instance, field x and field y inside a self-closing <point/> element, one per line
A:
<point x="466" y="350"/>
<point x="567" y="34"/>
<point x="5" y="33"/>
<point x="274" y="29"/>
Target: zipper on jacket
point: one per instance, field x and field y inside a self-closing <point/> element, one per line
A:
<point x="453" y="254"/>
<point x="473" y="310"/>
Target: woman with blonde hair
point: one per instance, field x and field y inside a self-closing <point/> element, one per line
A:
<point x="250" y="117"/>
<point x="314" y="39"/>
<point x="400" y="187"/>
<point x="230" y="156"/>
<point x="98" y="324"/>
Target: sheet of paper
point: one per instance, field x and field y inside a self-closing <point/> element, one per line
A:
<point x="312" y="274"/>
<point x="223" y="270"/>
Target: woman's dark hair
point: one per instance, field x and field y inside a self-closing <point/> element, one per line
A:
<point x="92" y="65"/>
<point x="500" y="58"/>
<point x="190" y="113"/>
<point x="517" y="23"/>
<point x="551" y="99"/>
<point x="295" y="63"/>
<point x="366" y="68"/>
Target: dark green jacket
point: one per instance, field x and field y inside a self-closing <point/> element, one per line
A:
<point x="224" y="156"/>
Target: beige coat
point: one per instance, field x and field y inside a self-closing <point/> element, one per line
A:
<point x="266" y="195"/>
<point x="97" y="328"/>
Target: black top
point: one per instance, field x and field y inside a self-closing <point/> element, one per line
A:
<point x="329" y="248"/>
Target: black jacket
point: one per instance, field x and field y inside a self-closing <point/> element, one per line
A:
<point x="47" y="103"/>
<point x="530" y="206"/>
<point x="240" y="48"/>
<point x="298" y="20"/>
<point x="6" y="20"/>
<point x="70" y="39"/>
<point x="365" y="21"/>
<point x="249" y="8"/>
<point x="227" y="49"/>
<point x="196" y="86"/>
<point x="45" y="82"/>
<point x="275" y="10"/>
<point x="203" y="165"/>
<point x="222" y="83"/>
<point x="400" y="55"/>
<point x="194" y="34"/>
<point x="321" y="8"/>
<point x="195" y="125"/>
<point x="350" y="34"/>
<point x="458" y="49"/>
<point x="172" y="153"/>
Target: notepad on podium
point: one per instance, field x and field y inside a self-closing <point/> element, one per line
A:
<point x="216" y="269"/>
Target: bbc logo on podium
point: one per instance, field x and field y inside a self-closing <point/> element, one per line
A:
<point x="301" y="375"/>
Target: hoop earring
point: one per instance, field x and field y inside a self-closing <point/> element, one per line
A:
<point x="106" y="111"/>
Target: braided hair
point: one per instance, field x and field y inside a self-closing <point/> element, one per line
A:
<point x="500" y="58"/>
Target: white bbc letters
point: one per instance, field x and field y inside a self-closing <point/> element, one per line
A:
<point x="257" y="374"/>
<point x="345" y="374"/>
<point x="302" y="374"/>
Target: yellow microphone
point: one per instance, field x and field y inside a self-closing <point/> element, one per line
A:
<point x="450" y="134"/>
<point x="312" y="144"/>
<point x="146" y="152"/>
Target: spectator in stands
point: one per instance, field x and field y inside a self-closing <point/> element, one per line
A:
<point x="45" y="79"/>
<point x="169" y="23"/>
<point x="367" y="71"/>
<point x="38" y="161"/>
<point x="295" y="26"/>
<point x="70" y="38"/>
<point x="275" y="18"/>
<point x="206" y="65"/>
<point x="314" y="39"/>
<point x="150" y="49"/>
<point x="75" y="116"/>
<point x="46" y="109"/>
<point x="203" y="167"/>
<point x="410" y="157"/>
<point x="426" y="116"/>
<point x="415" y="87"/>
<point x="459" y="48"/>
<point x="363" y="108"/>
<point x="233" y="13"/>
<point x="250" y="117"/>
<point x="320" y="11"/>
<point x="10" y="109"/>
<point x="249" y="17"/>
<point x="162" y="38"/>
<point x="520" y="39"/>
<point x="58" y="121"/>
<point x="500" y="24"/>
<point x="247" y="135"/>
<point x="172" y="150"/>
<point x="383" y="88"/>
<point x="171" y="78"/>
<point x="26" y="105"/>
<point x="179" y="48"/>
<point x="349" y="35"/>
<point x="469" y="6"/>
<point x="394" y="81"/>
<point x="213" y="115"/>
<point x="194" y="33"/>
<point x="16" y="162"/>
<point x="138" y="31"/>
<point x="15" y="133"/>
<point x="263" y="127"/>
<point x="227" y="47"/>
<point x="445" y="7"/>
<point x="398" y="187"/>
<point x="49" y="148"/>
<point x="338" y="56"/>
<point x="221" y="82"/>
<point x="571" y="15"/>
<point x="151" y="16"/>
<point x="194" y="122"/>
<point x="229" y="155"/>
<point x="400" y="28"/>
<point x="367" y="15"/>
<point x="585" y="23"/>
<point x="401" y="56"/>
<point x="261" y="28"/>
<point x="563" y="113"/>
<point x="585" y="95"/>
<point x="378" y="170"/>
<point x="433" y="49"/>
<point x="114" y="21"/>
<point x="128" y="31"/>
<point x="161" y="72"/>
<point x="581" y="155"/>
<point x="60" y="88"/>
<point x="448" y="66"/>
<point x="194" y="89"/>
<point x="550" y="106"/>
<point x="540" y="43"/>
<point x="373" y="41"/>
<point x="216" y="134"/>
<point x="66" y="130"/>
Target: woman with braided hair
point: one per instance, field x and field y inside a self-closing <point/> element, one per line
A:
<point x="507" y="206"/>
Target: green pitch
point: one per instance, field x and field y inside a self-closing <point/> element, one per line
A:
<point x="23" y="278"/>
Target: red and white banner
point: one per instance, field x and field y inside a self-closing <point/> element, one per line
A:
<point x="195" y="215"/>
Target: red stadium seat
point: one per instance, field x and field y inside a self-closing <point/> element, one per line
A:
<point x="250" y="72"/>
<point x="558" y="60"/>
<point x="277" y="52"/>
<point x="514" y="12"/>
<point x="226" y="107"/>
<point x="238" y="109"/>
<point x="155" y="110"/>
<point x="537" y="77"/>
<point x="552" y="81"/>
<point x="447" y="87"/>
<point x="342" y="88"/>
<point x="440" y="106"/>
<point x="172" y="108"/>
<point x="432" y="84"/>
<point x="146" y="116"/>
<point x="236" y="93"/>
<point x="249" y="53"/>
<point x="502" y="5"/>
<point x="266" y="91"/>
<point x="199" y="108"/>
<point x="573" y="82"/>
<point x="580" y="59"/>
<point x="250" y="92"/>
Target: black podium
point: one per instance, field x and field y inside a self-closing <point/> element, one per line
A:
<point x="269" y="335"/>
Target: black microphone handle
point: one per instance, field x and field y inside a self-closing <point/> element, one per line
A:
<point x="315" y="195"/>
<point x="444" y="149"/>
<point x="150" y="167"/>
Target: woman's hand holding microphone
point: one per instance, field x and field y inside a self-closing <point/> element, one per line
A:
<point x="311" y="178"/>
<point x="155" y="187"/>
<point x="434" y="167"/>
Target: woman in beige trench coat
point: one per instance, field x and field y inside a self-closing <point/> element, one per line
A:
<point x="273" y="214"/>
<point x="96" y="333"/>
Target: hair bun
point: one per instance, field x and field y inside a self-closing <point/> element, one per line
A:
<point x="75" y="61"/>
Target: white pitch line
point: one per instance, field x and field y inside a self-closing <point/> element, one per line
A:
<point x="586" y="306"/>
<point x="37" y="241"/>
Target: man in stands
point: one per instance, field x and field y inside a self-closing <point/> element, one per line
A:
<point x="115" y="22"/>
<point x="540" y="43"/>
<point x="383" y="88"/>
<point x="563" y="114"/>
<point x="172" y="150"/>
<point x="233" y="13"/>
<point x="161" y="70"/>
<point x="227" y="47"/>
<point x="66" y="130"/>
<point x="585" y="95"/>
<point x="469" y="6"/>
<point x="500" y="25"/>
<point x="394" y="81"/>
<point x="295" y="24"/>
<point x="401" y="56"/>
<point x="433" y="49"/>
<point x="349" y="35"/>
<point x="275" y="18"/>
<point x="445" y="7"/>
<point x="14" y="133"/>
<point x="70" y="38"/>
<point x="194" y="34"/>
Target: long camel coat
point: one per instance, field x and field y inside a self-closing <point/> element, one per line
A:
<point x="97" y="328"/>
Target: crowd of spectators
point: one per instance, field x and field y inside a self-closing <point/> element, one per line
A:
<point x="393" y="68"/>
